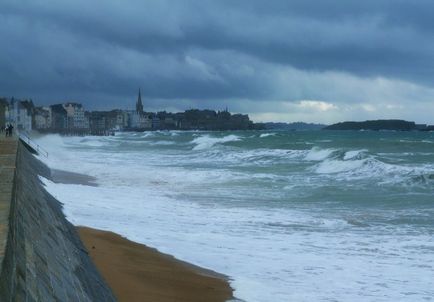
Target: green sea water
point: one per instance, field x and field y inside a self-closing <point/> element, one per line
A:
<point x="335" y="168"/>
<point x="288" y="216"/>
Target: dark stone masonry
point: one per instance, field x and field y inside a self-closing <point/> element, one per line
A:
<point x="41" y="255"/>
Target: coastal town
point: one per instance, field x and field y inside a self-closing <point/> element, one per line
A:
<point x="71" y="118"/>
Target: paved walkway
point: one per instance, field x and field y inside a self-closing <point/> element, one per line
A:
<point x="8" y="153"/>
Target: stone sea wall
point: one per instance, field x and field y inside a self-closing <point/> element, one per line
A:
<point x="44" y="259"/>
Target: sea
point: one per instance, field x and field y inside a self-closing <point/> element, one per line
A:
<point x="286" y="215"/>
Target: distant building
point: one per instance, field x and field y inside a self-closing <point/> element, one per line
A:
<point x="140" y="120"/>
<point x="210" y="120"/>
<point x="126" y="119"/>
<point x="155" y="122"/>
<point x="59" y="117"/>
<point x="240" y="121"/>
<point x="101" y="122"/>
<point x="75" y="116"/>
<point x="97" y="120"/>
<point x="42" y="118"/>
<point x="116" y="119"/>
<point x="168" y="120"/>
<point x="19" y="113"/>
<point x="3" y="106"/>
<point x="139" y="104"/>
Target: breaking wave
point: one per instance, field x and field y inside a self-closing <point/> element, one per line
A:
<point x="267" y="135"/>
<point x="357" y="165"/>
<point x="317" y="154"/>
<point x="338" y="166"/>
<point x="354" y="154"/>
<point x="206" y="141"/>
<point x="309" y="212"/>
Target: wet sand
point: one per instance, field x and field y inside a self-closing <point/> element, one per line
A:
<point x="136" y="272"/>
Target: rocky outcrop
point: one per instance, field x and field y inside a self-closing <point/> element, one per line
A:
<point x="397" y="125"/>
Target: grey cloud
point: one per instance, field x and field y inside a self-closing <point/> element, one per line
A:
<point x="210" y="51"/>
<point x="365" y="37"/>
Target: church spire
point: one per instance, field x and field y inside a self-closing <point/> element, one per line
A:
<point x="139" y="105"/>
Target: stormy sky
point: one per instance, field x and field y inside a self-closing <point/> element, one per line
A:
<point x="283" y="60"/>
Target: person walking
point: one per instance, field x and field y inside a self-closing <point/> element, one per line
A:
<point x="9" y="128"/>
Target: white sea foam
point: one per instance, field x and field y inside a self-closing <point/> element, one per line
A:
<point x="207" y="141"/>
<point x="227" y="209"/>
<point x="163" y="143"/>
<point x="353" y="154"/>
<point x="317" y="154"/>
<point x="284" y="264"/>
<point x="250" y="157"/>
<point x="337" y="166"/>
<point x="372" y="168"/>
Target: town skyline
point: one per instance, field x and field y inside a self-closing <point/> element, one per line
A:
<point x="71" y="118"/>
<point x="122" y="105"/>
<point x="130" y="104"/>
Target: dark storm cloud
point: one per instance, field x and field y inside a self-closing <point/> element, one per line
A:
<point x="101" y="51"/>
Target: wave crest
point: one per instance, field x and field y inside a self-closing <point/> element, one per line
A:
<point x="206" y="141"/>
<point x="317" y="154"/>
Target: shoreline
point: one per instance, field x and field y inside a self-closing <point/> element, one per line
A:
<point x="136" y="272"/>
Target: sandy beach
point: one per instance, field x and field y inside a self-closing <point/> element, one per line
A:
<point x="136" y="272"/>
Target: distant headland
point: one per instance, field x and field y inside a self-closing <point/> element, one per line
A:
<point x="377" y="125"/>
<point x="297" y="126"/>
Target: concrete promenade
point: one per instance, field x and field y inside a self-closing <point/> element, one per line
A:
<point x="41" y="256"/>
<point x="8" y="154"/>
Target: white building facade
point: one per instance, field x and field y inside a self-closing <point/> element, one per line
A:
<point x="19" y="114"/>
<point x="76" y="116"/>
<point x="139" y="121"/>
